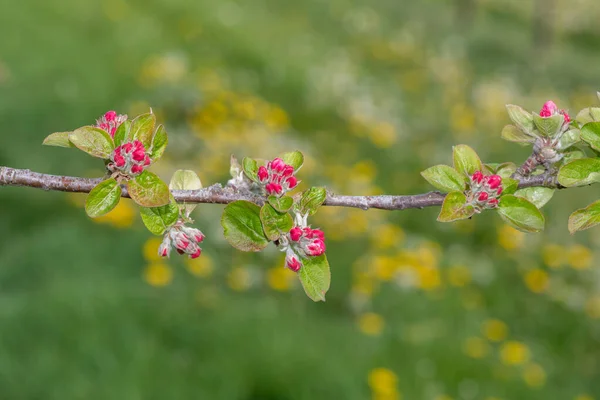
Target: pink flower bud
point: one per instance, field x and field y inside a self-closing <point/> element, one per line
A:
<point x="164" y="248"/>
<point x="127" y="147"/>
<point x="119" y="161"/>
<point x="483" y="196"/>
<point x="181" y="241"/>
<point x="316" y="248"/>
<point x="138" y="155"/>
<point x="318" y="233"/>
<point x="292" y="182"/>
<point x="566" y="116"/>
<point x="110" y="116"/>
<point x="195" y="234"/>
<point x="499" y="191"/>
<point x="288" y="171"/>
<point x="548" y="109"/>
<point x="477" y="177"/>
<point x="277" y="188"/>
<point x="494" y="181"/>
<point x="147" y="160"/>
<point x="295" y="233"/>
<point x="138" y="145"/>
<point x="292" y="262"/>
<point x="196" y="254"/>
<point x="278" y="165"/>
<point x="263" y="174"/>
<point x="493" y="202"/>
<point x="136" y="169"/>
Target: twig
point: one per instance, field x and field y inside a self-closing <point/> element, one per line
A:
<point x="218" y="194"/>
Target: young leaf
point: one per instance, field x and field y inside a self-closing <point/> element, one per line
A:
<point x="509" y="185"/>
<point x="294" y="158"/>
<point x="455" y="207"/>
<point x="94" y="141"/>
<point x="315" y="277"/>
<point x="242" y="226"/>
<point x="250" y="167"/>
<point x="445" y="178"/>
<point x="59" y="139"/>
<point x="159" y="219"/>
<point x="514" y="134"/>
<point x="587" y="115"/>
<point x="103" y="198"/>
<point x="590" y="133"/>
<point x="585" y="218"/>
<point x="538" y="195"/>
<point x="521" y="118"/>
<point x="580" y="172"/>
<point x="281" y="204"/>
<point x="548" y="126"/>
<point x="569" y="138"/>
<point x="573" y="154"/>
<point x="142" y="129"/>
<point x="122" y="133"/>
<point x="275" y="223"/>
<point x="310" y="201"/>
<point x="504" y="170"/>
<point x="466" y="161"/>
<point x="159" y="143"/>
<point x="184" y="179"/>
<point x="521" y="214"/>
<point x="148" y="190"/>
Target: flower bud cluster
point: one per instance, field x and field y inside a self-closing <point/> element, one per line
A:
<point x="129" y="158"/>
<point x="301" y="243"/>
<point x="277" y="177"/>
<point x="550" y="109"/>
<point x="184" y="239"/>
<point x="485" y="190"/>
<point x="110" y="121"/>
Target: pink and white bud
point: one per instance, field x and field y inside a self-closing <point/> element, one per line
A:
<point x="291" y="182"/>
<point x="263" y="174"/>
<point x="130" y="158"/>
<point x="483" y="196"/>
<point x="196" y="254"/>
<point x="288" y="171"/>
<point x="295" y="233"/>
<point x="548" y="109"/>
<point x="194" y="233"/>
<point x="182" y="241"/>
<point x="278" y="165"/>
<point x="493" y="203"/>
<point x="292" y="261"/>
<point x="165" y="247"/>
<point x="494" y="181"/>
<point x="110" y="121"/>
<point x="477" y="177"/>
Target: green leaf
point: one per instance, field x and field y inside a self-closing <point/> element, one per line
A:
<point x="581" y="172"/>
<point x="281" y="204"/>
<point x="521" y="118"/>
<point x="242" y="226"/>
<point x="294" y="158"/>
<point x="148" y="190"/>
<point x="159" y="143"/>
<point x="142" y="129"/>
<point x="514" y="134"/>
<point x="569" y="138"/>
<point x="94" y="141"/>
<point x="590" y="114"/>
<point x="573" y="154"/>
<point x="103" y="198"/>
<point x="311" y="200"/>
<point x="548" y="126"/>
<point x="159" y="219"/>
<point x="445" y="178"/>
<point x="455" y="207"/>
<point x="590" y="133"/>
<point x="504" y="170"/>
<point x="521" y="214"/>
<point x="538" y="195"/>
<point x="250" y="167"/>
<point x="58" y="139"/>
<point x="466" y="161"/>
<point x="274" y="222"/>
<point x="509" y="185"/>
<point x="122" y="133"/>
<point x="315" y="277"/>
<point x="585" y="218"/>
<point x="184" y="179"/>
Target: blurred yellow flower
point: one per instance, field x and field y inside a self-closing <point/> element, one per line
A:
<point x="592" y="307"/>
<point x="238" y="279"/>
<point x="383" y="135"/>
<point x="158" y="274"/>
<point x="387" y="236"/>
<point x="495" y="330"/>
<point x="579" y="257"/>
<point x="429" y="278"/>
<point x="442" y="397"/>
<point x="534" y="375"/>
<point x="584" y="397"/>
<point x="202" y="266"/>
<point x="371" y="324"/>
<point x="383" y="381"/>
<point x="150" y="249"/>
<point x="122" y="216"/>
<point x="462" y="118"/>
<point x="537" y="280"/>
<point x="386" y="396"/>
<point x="514" y="353"/>
<point x="384" y="267"/>
<point x="280" y="278"/>
<point x="553" y="255"/>
<point x="476" y="347"/>
<point x="459" y="275"/>
<point x="510" y="238"/>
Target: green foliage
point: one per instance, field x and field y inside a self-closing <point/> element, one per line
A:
<point x="466" y="160"/>
<point x="590" y="133"/>
<point x="148" y="190"/>
<point x="159" y="219"/>
<point x="94" y="141"/>
<point x="538" y="196"/>
<point x="509" y="185"/>
<point x="522" y="119"/>
<point x="455" y="207"/>
<point x="159" y="143"/>
<point x="580" y="172"/>
<point x="250" y="167"/>
<point x="585" y="218"/>
<point x="315" y="277"/>
<point x="142" y="129"/>
<point x="185" y="180"/>
<point x="294" y="158"/>
<point x="103" y="198"/>
<point x="275" y="223"/>
<point x="514" y="134"/>
<point x="281" y="204"/>
<point x="310" y="201"/>
<point x="242" y="226"/>
<point x="445" y="178"/>
<point x="521" y="214"/>
<point x="122" y="134"/>
<point x="548" y="126"/>
<point x="59" y="139"/>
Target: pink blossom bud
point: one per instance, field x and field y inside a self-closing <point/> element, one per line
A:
<point x="318" y="233"/>
<point x="548" y="109"/>
<point x="494" y="181"/>
<point x="316" y="248"/>
<point x="181" y="241"/>
<point x="278" y="165"/>
<point x="119" y="161"/>
<point x="263" y="174"/>
<point x="196" y="254"/>
<point x="295" y="233"/>
<point x="483" y="196"/>
<point x="292" y="182"/>
<point x="195" y="234"/>
<point x="277" y="188"/>
<point x="493" y="202"/>
<point x="163" y="249"/>
<point x="566" y="116"/>
<point x="147" y="161"/>
<point x="477" y="177"/>
<point x="288" y="171"/>
<point x="136" y="169"/>
<point x="138" y="145"/>
<point x="110" y="116"/>
<point x="292" y="262"/>
<point x="138" y="155"/>
<point x="499" y="191"/>
<point x="127" y="147"/>
<point x="269" y="188"/>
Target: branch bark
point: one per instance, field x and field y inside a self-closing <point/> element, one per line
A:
<point x="217" y="194"/>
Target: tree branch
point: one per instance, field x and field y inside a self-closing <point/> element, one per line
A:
<point x="218" y="194"/>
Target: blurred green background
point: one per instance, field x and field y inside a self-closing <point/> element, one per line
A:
<point x="372" y="92"/>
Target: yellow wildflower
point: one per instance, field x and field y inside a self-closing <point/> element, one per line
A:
<point x="158" y="274"/>
<point x="383" y="381"/>
<point x="534" y="375"/>
<point x="202" y="266"/>
<point x="514" y="353"/>
<point x="495" y="330"/>
<point x="579" y="257"/>
<point x="537" y="280"/>
<point x="459" y="275"/>
<point x="371" y="324"/>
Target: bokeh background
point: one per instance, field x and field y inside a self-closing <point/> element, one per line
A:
<point x="372" y="92"/>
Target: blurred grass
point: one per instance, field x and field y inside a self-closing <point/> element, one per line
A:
<point x="372" y="92"/>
